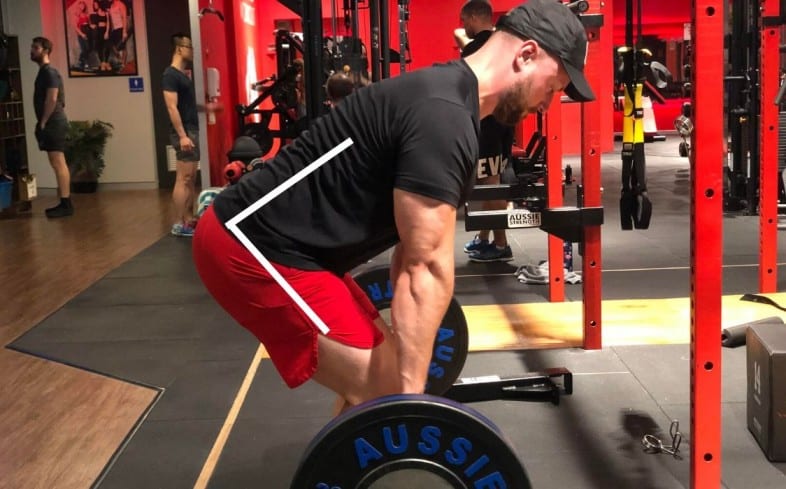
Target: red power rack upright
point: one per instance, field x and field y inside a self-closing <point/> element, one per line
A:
<point x="769" y="59"/>
<point x="706" y="245"/>
<point x="590" y="175"/>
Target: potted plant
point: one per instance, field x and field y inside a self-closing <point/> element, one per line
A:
<point x="84" y="153"/>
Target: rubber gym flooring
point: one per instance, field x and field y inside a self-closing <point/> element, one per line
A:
<point x="151" y="322"/>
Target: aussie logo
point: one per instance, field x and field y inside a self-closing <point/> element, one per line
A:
<point x="428" y="442"/>
<point x="523" y="219"/>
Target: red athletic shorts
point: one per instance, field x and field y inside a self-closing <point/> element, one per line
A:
<point x="242" y="286"/>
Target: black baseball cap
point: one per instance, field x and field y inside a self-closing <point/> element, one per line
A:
<point x="557" y="30"/>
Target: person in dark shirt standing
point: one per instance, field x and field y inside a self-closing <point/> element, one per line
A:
<point x="52" y="124"/>
<point x="495" y="139"/>
<point x="387" y="167"/>
<point x="180" y="99"/>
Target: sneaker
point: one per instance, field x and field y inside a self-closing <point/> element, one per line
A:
<point x="184" y="230"/>
<point x="59" y="210"/>
<point x="491" y="253"/>
<point x="475" y="245"/>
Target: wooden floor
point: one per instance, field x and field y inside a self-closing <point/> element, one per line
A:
<point x="625" y="322"/>
<point x="60" y="425"/>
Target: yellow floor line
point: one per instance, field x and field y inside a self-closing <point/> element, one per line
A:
<point x="625" y="322"/>
<point x="223" y="435"/>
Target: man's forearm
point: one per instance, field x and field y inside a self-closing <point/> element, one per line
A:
<point x="421" y="297"/>
<point x="177" y="123"/>
<point x="49" y="108"/>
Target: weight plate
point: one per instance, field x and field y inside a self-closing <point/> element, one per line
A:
<point x="452" y="342"/>
<point x="423" y="433"/>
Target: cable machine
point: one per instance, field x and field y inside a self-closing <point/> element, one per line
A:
<point x="403" y="18"/>
<point x="741" y="174"/>
<point x="745" y="105"/>
<point x="305" y="64"/>
<point x="350" y="51"/>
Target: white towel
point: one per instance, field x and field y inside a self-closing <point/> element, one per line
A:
<point x="539" y="274"/>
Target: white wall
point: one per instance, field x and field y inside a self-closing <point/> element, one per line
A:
<point x="130" y="154"/>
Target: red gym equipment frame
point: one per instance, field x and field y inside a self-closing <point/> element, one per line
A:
<point x="589" y="191"/>
<point x="706" y="258"/>
<point x="769" y="59"/>
<point x="590" y="176"/>
<point x="552" y="133"/>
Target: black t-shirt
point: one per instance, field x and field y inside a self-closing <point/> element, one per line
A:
<point x="416" y="132"/>
<point x="496" y="139"/>
<point x="96" y="18"/>
<point x="176" y="81"/>
<point x="476" y="42"/>
<point x="47" y="78"/>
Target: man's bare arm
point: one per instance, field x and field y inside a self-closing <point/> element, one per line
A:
<point x="170" y="98"/>
<point x="461" y="38"/>
<point x="50" y="103"/>
<point x="124" y="14"/>
<point x="422" y="274"/>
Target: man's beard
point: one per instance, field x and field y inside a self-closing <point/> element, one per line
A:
<point x="510" y="108"/>
<point x="36" y="58"/>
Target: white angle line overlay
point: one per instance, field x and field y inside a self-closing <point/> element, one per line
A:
<point x="232" y="225"/>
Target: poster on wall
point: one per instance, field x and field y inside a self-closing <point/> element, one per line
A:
<point x="100" y="38"/>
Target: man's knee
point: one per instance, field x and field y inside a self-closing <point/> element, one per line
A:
<point x="384" y="376"/>
<point x="186" y="173"/>
<point x="57" y="159"/>
<point x="359" y="375"/>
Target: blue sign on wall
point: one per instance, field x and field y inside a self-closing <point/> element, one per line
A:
<point x="136" y="84"/>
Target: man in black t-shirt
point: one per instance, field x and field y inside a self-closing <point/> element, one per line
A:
<point x="495" y="139"/>
<point x="387" y="167"/>
<point x="52" y="124"/>
<point x="180" y="99"/>
<point x="476" y="25"/>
